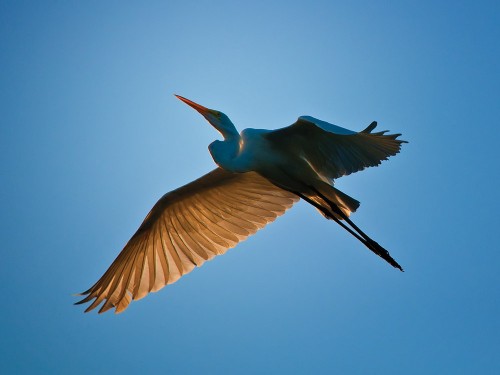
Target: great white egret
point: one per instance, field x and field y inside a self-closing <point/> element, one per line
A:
<point x="260" y="174"/>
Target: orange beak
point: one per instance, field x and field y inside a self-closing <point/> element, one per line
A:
<point x="198" y="107"/>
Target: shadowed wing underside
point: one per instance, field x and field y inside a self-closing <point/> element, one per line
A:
<point x="185" y="228"/>
<point x="334" y="151"/>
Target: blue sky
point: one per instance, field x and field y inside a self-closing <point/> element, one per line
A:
<point x="91" y="136"/>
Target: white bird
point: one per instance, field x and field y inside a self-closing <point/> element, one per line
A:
<point x="260" y="174"/>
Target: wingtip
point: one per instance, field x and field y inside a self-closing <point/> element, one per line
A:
<point x="370" y="127"/>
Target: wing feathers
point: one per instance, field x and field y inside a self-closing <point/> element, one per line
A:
<point x="184" y="229"/>
<point x="333" y="151"/>
<point x="208" y="237"/>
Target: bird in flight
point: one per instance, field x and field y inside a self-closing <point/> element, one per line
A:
<point x="260" y="174"/>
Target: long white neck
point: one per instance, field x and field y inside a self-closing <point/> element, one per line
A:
<point x="226" y="154"/>
<point x="224" y="125"/>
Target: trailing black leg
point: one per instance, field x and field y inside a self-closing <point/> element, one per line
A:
<point x="329" y="215"/>
<point x="363" y="237"/>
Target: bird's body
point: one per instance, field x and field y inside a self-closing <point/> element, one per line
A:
<point x="261" y="173"/>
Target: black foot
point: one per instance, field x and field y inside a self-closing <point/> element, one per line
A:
<point x="383" y="253"/>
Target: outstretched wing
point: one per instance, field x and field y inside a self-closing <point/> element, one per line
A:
<point x="185" y="228"/>
<point x="334" y="151"/>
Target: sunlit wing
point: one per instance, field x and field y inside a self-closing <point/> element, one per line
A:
<point x="334" y="151"/>
<point x="185" y="228"/>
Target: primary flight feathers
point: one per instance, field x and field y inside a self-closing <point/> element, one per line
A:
<point x="185" y="228"/>
<point x="334" y="153"/>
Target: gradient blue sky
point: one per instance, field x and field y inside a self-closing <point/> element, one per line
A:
<point x="91" y="136"/>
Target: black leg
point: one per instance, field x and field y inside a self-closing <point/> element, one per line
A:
<point x="363" y="237"/>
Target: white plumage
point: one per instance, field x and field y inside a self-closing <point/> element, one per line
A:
<point x="261" y="174"/>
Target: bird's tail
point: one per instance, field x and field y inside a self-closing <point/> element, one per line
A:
<point x="335" y="197"/>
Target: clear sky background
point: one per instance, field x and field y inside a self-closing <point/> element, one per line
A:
<point x="91" y="136"/>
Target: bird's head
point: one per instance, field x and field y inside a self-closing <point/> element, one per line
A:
<point x="216" y="118"/>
